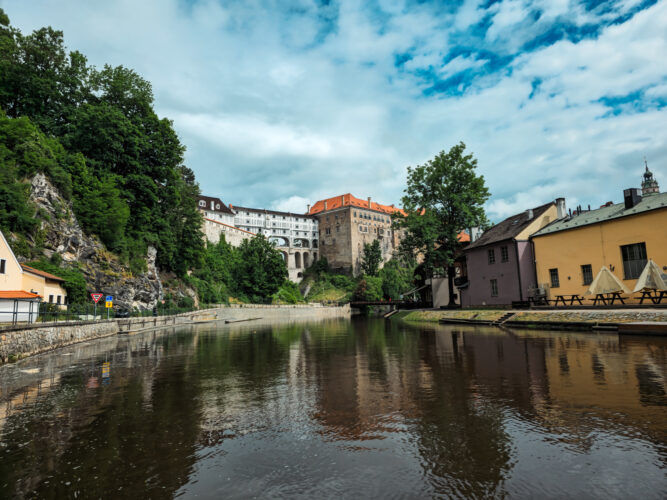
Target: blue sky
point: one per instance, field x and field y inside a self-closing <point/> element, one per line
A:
<point x="282" y="103"/>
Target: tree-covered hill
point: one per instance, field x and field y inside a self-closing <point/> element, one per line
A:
<point x="95" y="134"/>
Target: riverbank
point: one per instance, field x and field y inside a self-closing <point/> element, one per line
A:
<point x="644" y="321"/>
<point x="36" y="338"/>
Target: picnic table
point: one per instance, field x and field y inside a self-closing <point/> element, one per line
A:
<point x="572" y="298"/>
<point x="654" y="296"/>
<point x="608" y="298"/>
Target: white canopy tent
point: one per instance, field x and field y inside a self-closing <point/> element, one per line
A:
<point x="650" y="278"/>
<point x="606" y="282"/>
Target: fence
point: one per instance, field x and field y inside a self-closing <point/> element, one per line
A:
<point x="30" y="311"/>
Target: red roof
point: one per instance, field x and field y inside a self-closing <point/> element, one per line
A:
<point x="347" y="200"/>
<point x="18" y="294"/>
<point x="43" y="274"/>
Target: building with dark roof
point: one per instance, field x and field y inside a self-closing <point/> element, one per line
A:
<point x="499" y="264"/>
<point x="570" y="251"/>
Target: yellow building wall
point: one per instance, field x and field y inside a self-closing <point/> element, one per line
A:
<point x="52" y="288"/>
<point x="12" y="279"/>
<point x="599" y="245"/>
<point x="33" y="282"/>
<point x="548" y="216"/>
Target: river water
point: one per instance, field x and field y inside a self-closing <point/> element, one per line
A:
<point x="338" y="408"/>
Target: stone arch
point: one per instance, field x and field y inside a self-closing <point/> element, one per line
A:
<point x="285" y="257"/>
<point x="315" y="243"/>
<point x="297" y="260"/>
<point x="279" y="241"/>
<point x="300" y="243"/>
<point x="314" y="256"/>
<point x="306" y="259"/>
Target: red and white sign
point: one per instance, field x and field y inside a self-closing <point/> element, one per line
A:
<point x="96" y="297"/>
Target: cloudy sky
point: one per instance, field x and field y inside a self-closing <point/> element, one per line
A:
<point x="281" y="103"/>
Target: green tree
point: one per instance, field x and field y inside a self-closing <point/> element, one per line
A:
<point x="397" y="278"/>
<point x="443" y="197"/>
<point x="371" y="258"/>
<point x="260" y="269"/>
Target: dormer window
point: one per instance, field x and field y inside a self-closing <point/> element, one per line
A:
<point x="202" y="203"/>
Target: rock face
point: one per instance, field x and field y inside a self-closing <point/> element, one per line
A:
<point x="103" y="271"/>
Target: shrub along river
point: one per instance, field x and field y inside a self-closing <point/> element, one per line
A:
<point x="338" y="408"/>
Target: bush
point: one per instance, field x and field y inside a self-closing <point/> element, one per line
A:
<point x="288" y="293"/>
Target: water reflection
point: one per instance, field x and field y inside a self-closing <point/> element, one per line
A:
<point x="334" y="408"/>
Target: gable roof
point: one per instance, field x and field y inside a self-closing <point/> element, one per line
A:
<point x="217" y="203"/>
<point x="43" y="274"/>
<point x="348" y="200"/>
<point x="509" y="228"/>
<point x="604" y="214"/>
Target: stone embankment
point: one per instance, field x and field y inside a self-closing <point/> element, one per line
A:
<point x="28" y="340"/>
<point x="650" y="321"/>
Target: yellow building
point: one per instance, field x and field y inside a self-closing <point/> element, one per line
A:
<point x="22" y="287"/>
<point x="571" y="251"/>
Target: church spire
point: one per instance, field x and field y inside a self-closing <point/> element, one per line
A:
<point x="649" y="184"/>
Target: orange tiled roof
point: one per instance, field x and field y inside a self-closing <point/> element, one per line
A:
<point x="463" y="237"/>
<point x="41" y="273"/>
<point x="347" y="200"/>
<point x="18" y="294"/>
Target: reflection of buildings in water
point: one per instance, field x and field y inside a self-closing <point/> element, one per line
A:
<point x="571" y="382"/>
<point x="620" y="381"/>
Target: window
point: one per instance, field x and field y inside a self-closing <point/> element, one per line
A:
<point x="504" y="254"/>
<point x="50" y="299"/>
<point x="59" y="298"/>
<point x="634" y="260"/>
<point x="3" y="264"/>
<point x="492" y="256"/>
<point x="494" y="288"/>
<point x="202" y="203"/>
<point x="338" y="229"/>
<point x="327" y="230"/>
<point x="553" y="274"/>
<point x="587" y="273"/>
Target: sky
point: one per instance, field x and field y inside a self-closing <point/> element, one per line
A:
<point x="282" y="103"/>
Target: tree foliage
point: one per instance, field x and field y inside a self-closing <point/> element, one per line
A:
<point x="371" y="258"/>
<point x="443" y="197"/>
<point x="96" y="135"/>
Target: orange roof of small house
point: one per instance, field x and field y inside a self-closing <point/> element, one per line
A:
<point x="18" y="294"/>
<point x="347" y="200"/>
<point x="43" y="274"/>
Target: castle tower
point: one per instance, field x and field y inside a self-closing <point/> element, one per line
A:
<point x="649" y="184"/>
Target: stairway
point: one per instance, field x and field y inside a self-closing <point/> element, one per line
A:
<point x="505" y="317"/>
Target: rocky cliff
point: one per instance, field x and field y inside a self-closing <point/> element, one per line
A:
<point x="103" y="271"/>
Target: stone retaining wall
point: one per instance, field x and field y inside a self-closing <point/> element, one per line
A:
<point x="21" y="343"/>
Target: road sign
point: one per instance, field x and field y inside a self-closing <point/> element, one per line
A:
<point x="96" y="297"/>
<point x="109" y="298"/>
<point x="108" y="304"/>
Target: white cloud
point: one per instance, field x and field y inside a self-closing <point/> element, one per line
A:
<point x="279" y="107"/>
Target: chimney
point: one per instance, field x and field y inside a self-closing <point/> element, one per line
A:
<point x="560" y="208"/>
<point x="369" y="202"/>
<point x="325" y="204"/>
<point x="308" y="209"/>
<point x="530" y="213"/>
<point x="212" y="205"/>
<point x="342" y="200"/>
<point x="631" y="197"/>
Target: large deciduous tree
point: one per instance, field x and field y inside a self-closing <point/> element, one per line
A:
<point x="443" y="197"/>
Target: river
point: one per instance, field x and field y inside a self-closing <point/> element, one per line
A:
<point x="338" y="408"/>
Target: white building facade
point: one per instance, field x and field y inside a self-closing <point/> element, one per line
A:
<point x="295" y="235"/>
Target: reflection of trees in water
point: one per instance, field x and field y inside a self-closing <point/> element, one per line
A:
<point x="460" y="434"/>
<point x="95" y="440"/>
